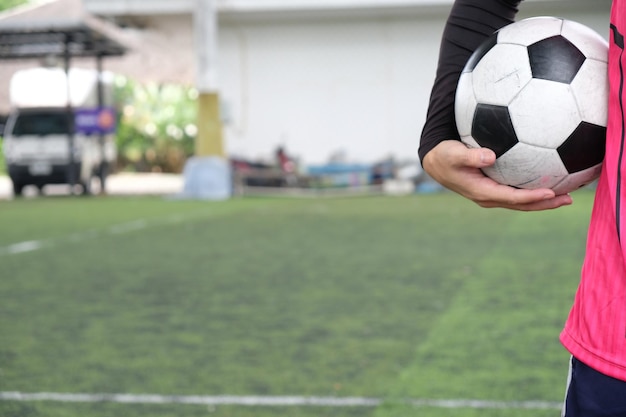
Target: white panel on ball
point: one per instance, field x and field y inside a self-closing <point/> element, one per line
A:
<point x="501" y="74"/>
<point x="528" y="31"/>
<point x="495" y="174"/>
<point x="592" y="101"/>
<point x="465" y="104"/>
<point x="574" y="181"/>
<point x="545" y="113"/>
<point x="522" y="163"/>
<point x="590" y="43"/>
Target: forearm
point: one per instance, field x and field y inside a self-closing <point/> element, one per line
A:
<point x="470" y="22"/>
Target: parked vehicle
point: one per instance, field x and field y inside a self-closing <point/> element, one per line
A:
<point x="49" y="139"/>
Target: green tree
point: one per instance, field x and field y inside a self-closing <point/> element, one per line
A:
<point x="7" y="4"/>
<point x="156" y="130"/>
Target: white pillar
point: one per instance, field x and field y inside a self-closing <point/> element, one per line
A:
<point x="205" y="34"/>
<point x="207" y="175"/>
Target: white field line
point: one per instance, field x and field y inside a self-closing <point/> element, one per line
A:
<point x="21" y="247"/>
<point x="273" y="401"/>
<point x="118" y="229"/>
<point x="128" y="227"/>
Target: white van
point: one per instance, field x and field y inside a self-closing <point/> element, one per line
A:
<point x="37" y="146"/>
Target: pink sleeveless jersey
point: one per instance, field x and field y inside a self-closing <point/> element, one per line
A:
<point x="595" y="331"/>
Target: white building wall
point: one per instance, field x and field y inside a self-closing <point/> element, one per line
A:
<point x="360" y="86"/>
<point x="317" y="88"/>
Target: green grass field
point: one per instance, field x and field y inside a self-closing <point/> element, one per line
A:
<point x="423" y="297"/>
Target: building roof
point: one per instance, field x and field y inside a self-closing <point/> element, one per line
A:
<point x="49" y="28"/>
<point x="163" y="54"/>
<point x="41" y="40"/>
<point x="233" y="8"/>
<point x="39" y="33"/>
<point x="119" y="7"/>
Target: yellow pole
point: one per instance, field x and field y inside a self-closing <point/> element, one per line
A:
<point x="209" y="140"/>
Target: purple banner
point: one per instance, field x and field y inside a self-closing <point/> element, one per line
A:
<point x="95" y="120"/>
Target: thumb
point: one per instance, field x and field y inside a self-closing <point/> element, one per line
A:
<point x="480" y="157"/>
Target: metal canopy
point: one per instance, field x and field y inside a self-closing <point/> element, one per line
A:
<point x="40" y="39"/>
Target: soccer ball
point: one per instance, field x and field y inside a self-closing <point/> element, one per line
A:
<point x="536" y="93"/>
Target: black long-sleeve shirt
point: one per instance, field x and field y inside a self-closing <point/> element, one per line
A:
<point x="470" y="22"/>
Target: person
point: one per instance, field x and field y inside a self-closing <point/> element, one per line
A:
<point x="287" y="166"/>
<point x="595" y="330"/>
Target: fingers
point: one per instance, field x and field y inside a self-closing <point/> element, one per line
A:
<point x="551" y="204"/>
<point x="458" y="168"/>
<point x="488" y="191"/>
<point x="526" y="201"/>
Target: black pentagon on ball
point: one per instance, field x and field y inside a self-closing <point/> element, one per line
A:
<point x="492" y="128"/>
<point x="555" y="59"/>
<point x="584" y="148"/>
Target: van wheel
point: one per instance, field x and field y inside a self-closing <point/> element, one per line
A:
<point x="17" y="189"/>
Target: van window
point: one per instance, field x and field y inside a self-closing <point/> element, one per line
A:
<point x="49" y="123"/>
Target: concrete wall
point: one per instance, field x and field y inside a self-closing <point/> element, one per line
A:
<point x="354" y="86"/>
